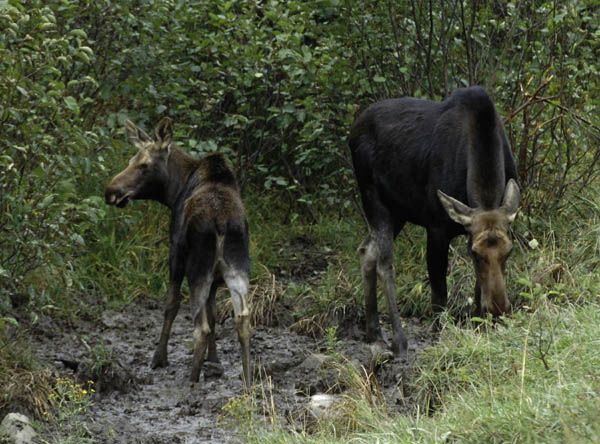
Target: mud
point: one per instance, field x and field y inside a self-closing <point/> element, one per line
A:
<point x="162" y="406"/>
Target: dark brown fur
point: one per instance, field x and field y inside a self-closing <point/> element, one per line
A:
<point x="446" y="166"/>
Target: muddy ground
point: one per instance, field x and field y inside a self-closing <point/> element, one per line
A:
<point x="141" y="405"/>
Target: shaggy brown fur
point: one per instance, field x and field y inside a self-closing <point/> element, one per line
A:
<point x="208" y="240"/>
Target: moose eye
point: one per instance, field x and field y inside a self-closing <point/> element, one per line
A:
<point x="143" y="166"/>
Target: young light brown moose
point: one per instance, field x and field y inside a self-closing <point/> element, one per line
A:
<point x="208" y="236"/>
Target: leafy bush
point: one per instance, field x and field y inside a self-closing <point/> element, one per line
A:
<point x="275" y="85"/>
<point x="44" y="149"/>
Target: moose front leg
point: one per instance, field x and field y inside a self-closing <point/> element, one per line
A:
<point x="437" y="266"/>
<point x="478" y="298"/>
<point x="172" y="307"/>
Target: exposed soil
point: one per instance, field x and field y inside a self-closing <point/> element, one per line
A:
<point x="136" y="404"/>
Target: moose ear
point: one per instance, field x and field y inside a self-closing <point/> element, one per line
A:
<point x="164" y="132"/>
<point x="458" y="211"/>
<point x="136" y="135"/>
<point x="511" y="199"/>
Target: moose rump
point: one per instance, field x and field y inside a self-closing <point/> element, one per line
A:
<point x="217" y="252"/>
<point x="446" y="166"/>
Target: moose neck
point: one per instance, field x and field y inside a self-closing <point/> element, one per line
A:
<point x="485" y="171"/>
<point x="180" y="166"/>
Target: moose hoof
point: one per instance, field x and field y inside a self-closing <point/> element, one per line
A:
<point x="380" y="351"/>
<point x="195" y="376"/>
<point x="213" y="370"/>
<point x="159" y="360"/>
<point x="400" y="347"/>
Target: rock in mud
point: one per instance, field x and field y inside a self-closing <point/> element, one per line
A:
<point x="320" y="407"/>
<point x="315" y="374"/>
<point x="16" y="429"/>
<point x="323" y="405"/>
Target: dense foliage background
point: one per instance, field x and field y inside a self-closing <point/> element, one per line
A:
<point x="276" y="86"/>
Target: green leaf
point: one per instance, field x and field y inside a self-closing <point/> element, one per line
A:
<point x="71" y="104"/>
<point x="9" y="320"/>
<point x="47" y="201"/>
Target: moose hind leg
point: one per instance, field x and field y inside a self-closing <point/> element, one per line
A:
<point x="368" y="266"/>
<point x="199" y="294"/>
<point x="212" y="367"/>
<point x="237" y="282"/>
<point x="200" y="270"/>
<point x="385" y="270"/>
<point x="212" y="343"/>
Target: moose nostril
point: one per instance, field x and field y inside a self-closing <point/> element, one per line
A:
<point x="495" y="307"/>
<point x="110" y="196"/>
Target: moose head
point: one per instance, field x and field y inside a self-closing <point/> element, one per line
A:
<point x="489" y="243"/>
<point x="146" y="174"/>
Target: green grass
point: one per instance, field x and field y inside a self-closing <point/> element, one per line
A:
<point x="24" y="383"/>
<point x="534" y="378"/>
<point x="124" y="257"/>
<point x="128" y="255"/>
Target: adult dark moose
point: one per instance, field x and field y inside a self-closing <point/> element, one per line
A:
<point x="446" y="166"/>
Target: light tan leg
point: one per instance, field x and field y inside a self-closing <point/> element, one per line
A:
<point x="199" y="298"/>
<point x="368" y="265"/>
<point x="237" y="282"/>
